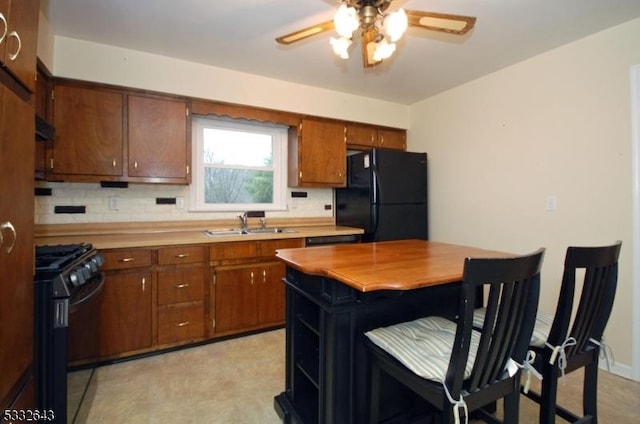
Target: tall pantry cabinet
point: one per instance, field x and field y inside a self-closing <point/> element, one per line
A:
<point x="19" y="21"/>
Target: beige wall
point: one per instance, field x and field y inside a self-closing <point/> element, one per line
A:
<point x="558" y="124"/>
<point x="98" y="62"/>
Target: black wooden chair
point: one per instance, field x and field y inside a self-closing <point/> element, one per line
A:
<point x="455" y="368"/>
<point x="560" y="351"/>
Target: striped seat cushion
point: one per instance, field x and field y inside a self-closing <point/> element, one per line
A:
<point x="540" y="331"/>
<point x="424" y="345"/>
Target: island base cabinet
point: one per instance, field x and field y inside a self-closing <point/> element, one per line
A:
<point x="326" y="360"/>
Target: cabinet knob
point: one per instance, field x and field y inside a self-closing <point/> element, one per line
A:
<point x="113" y="163"/>
<point x="144" y="284"/>
<point x="135" y="164"/>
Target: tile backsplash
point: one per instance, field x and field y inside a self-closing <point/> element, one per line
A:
<point x="150" y="202"/>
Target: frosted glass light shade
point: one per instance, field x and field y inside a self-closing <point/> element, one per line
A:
<point x="346" y="21"/>
<point x="395" y="24"/>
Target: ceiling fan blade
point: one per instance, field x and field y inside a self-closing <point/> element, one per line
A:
<point x="442" y="22"/>
<point x="305" y="33"/>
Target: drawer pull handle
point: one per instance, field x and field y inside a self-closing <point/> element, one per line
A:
<point x="6" y="27"/>
<point x="182" y="255"/>
<point x="182" y="286"/>
<point x="127" y="259"/>
<point x="13" y="56"/>
<point x="182" y="324"/>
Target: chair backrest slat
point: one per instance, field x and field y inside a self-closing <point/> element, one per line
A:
<point x="600" y="265"/>
<point x="510" y="314"/>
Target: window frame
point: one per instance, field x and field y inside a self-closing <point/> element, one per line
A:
<point x="279" y="134"/>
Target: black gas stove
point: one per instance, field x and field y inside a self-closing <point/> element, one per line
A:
<point x="67" y="279"/>
<point x="69" y="267"/>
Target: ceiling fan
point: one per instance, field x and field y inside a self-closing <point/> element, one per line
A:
<point x="379" y="29"/>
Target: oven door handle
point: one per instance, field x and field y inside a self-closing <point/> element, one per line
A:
<point x="99" y="285"/>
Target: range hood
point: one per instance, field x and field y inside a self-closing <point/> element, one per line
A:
<point x="44" y="130"/>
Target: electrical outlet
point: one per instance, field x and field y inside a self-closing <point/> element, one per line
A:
<point x="114" y="203"/>
<point x="552" y="203"/>
<point x="180" y="202"/>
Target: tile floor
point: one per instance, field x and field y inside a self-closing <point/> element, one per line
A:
<point x="234" y="382"/>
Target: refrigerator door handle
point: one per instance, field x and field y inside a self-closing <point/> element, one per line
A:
<point x="375" y="186"/>
<point x="375" y="218"/>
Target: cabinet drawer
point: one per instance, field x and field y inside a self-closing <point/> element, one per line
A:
<point x="180" y="323"/>
<point x="128" y="258"/>
<point x="180" y="255"/>
<point x="268" y="247"/>
<point x="233" y="250"/>
<point x="180" y="285"/>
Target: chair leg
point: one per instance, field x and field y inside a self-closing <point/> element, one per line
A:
<point x="590" y="391"/>
<point x="548" y="394"/>
<point x="374" y="393"/>
<point x="512" y="408"/>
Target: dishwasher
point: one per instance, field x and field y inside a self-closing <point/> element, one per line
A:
<point x="328" y="240"/>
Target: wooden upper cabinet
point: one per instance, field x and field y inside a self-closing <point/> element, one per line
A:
<point x="392" y="139"/>
<point x="159" y="147"/>
<point x="362" y="137"/>
<point x="89" y="136"/>
<point x="19" y="46"/>
<point x="101" y="128"/>
<point x="317" y="154"/>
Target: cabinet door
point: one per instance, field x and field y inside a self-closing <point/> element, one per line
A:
<point x="18" y="50"/>
<point x="271" y="294"/>
<point x="16" y="249"/>
<point x="125" y="312"/>
<point x="321" y="154"/>
<point x="360" y="136"/>
<point x="235" y="299"/>
<point x="158" y="142"/>
<point x="392" y="139"/>
<point x="88" y="132"/>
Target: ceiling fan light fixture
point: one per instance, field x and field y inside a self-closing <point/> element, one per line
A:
<point x="341" y="46"/>
<point x="346" y="21"/>
<point x="395" y="24"/>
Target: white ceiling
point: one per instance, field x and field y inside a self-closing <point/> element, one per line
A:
<point x="239" y="35"/>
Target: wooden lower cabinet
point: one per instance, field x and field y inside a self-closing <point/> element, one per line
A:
<point x="180" y="323"/>
<point x="159" y="297"/>
<point x="180" y="305"/>
<point x="125" y="312"/>
<point x="248" y="297"/>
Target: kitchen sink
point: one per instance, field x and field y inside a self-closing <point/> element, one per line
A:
<point x="248" y="231"/>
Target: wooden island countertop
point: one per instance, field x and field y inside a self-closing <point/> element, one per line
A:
<point x="392" y="265"/>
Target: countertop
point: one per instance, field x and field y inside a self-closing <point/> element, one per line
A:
<point x="103" y="236"/>
<point x="391" y="265"/>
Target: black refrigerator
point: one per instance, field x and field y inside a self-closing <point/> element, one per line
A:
<point x="386" y="195"/>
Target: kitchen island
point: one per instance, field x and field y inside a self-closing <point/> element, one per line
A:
<point x="334" y="295"/>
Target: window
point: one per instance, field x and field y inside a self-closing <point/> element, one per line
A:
<point x="238" y="165"/>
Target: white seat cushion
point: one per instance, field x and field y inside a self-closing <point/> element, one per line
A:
<point x="540" y="331"/>
<point x="424" y="345"/>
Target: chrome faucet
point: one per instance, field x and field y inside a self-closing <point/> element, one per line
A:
<point x="243" y="220"/>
